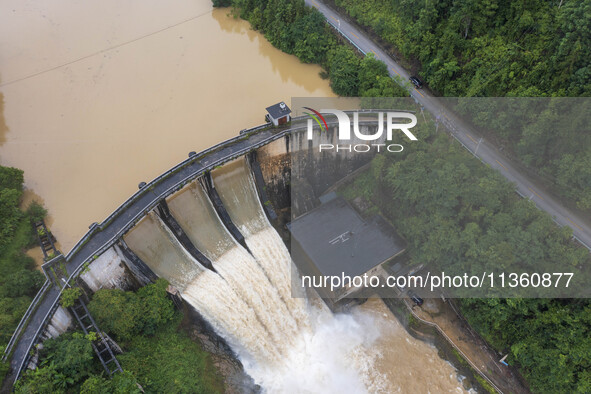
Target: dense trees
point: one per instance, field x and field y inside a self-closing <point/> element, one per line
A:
<point x="549" y="339"/>
<point x="463" y="217"/>
<point x="19" y="281"/>
<point x="497" y="48"/>
<point x="459" y="215"/>
<point x="129" y="314"/>
<point x="157" y="355"/>
<point x="344" y="66"/>
<point x="11" y="188"/>
<point x="121" y="383"/>
<point x="488" y="48"/>
<point x="552" y="136"/>
<point x="171" y="363"/>
<point x="303" y="32"/>
<point x="67" y="361"/>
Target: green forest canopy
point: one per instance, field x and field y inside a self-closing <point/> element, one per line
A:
<point x="158" y="355"/>
<point x="19" y="280"/>
<point x="498" y="48"/>
<point x="457" y="214"/>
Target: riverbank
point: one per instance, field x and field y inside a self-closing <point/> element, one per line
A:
<point x="19" y="280"/>
<point x="468" y="347"/>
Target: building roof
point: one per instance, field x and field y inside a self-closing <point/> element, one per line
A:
<point x="337" y="241"/>
<point x="278" y="110"/>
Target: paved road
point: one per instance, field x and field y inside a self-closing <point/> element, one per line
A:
<point x="483" y="150"/>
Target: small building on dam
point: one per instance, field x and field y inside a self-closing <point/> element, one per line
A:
<point x="278" y="114"/>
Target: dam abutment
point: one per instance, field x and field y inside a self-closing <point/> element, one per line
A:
<point x="259" y="183"/>
<point x="294" y="173"/>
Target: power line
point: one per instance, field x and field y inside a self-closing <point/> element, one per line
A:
<point x="104" y="50"/>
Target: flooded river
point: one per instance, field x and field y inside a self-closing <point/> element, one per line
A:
<point x="98" y="96"/>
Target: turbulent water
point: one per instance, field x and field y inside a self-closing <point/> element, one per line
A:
<point x="287" y="344"/>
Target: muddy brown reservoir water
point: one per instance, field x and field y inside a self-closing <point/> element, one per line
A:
<point x="88" y="123"/>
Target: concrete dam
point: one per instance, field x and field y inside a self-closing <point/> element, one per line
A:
<point x="211" y="226"/>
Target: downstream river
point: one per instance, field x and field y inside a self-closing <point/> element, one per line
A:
<point x="98" y="96"/>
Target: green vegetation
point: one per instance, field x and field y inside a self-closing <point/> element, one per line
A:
<point x="19" y="281"/>
<point x="171" y="363"/>
<point x="127" y="314"/>
<point x="69" y="365"/>
<point x="157" y="354"/>
<point x="528" y="129"/>
<point x="66" y="361"/>
<point x="498" y="48"/>
<point x="549" y="339"/>
<point x="489" y="48"/>
<point x="121" y="383"/>
<point x="36" y="212"/>
<point x="490" y="389"/>
<point x="459" y="214"/>
<point x="303" y="32"/>
<point x="69" y="296"/>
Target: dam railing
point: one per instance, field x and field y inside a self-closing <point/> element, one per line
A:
<point x="96" y="240"/>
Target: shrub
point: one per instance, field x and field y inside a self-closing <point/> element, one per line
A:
<point x="69" y="296"/>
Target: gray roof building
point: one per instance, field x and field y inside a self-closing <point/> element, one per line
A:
<point x="333" y="239"/>
<point x="278" y="113"/>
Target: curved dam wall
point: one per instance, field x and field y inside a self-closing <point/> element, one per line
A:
<point x="247" y="295"/>
<point x="101" y="262"/>
<point x="105" y="235"/>
<point x="289" y="160"/>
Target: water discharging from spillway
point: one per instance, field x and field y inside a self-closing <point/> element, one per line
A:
<point x="208" y="292"/>
<point x="286" y="344"/>
<point x="326" y="354"/>
<point x="197" y="217"/>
